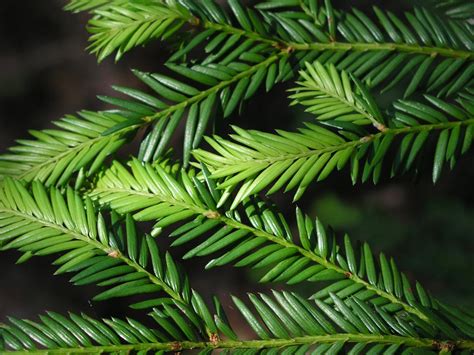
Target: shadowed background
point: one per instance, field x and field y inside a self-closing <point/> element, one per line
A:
<point x="45" y="73"/>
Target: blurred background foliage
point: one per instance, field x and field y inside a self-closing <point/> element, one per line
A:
<point x="45" y="73"/>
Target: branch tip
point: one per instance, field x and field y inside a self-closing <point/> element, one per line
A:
<point x="194" y="21"/>
<point x="214" y="339"/>
<point x="212" y="214"/>
<point x="444" y="346"/>
<point x="176" y="346"/>
<point x="114" y="254"/>
<point x="380" y="126"/>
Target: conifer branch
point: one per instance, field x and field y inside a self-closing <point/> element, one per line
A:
<point x="38" y="224"/>
<point x="145" y="194"/>
<point x="428" y="344"/>
<point x="221" y="57"/>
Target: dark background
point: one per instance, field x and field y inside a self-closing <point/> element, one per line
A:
<point x="45" y="73"/>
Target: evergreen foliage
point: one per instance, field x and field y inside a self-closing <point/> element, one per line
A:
<point x="65" y="193"/>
